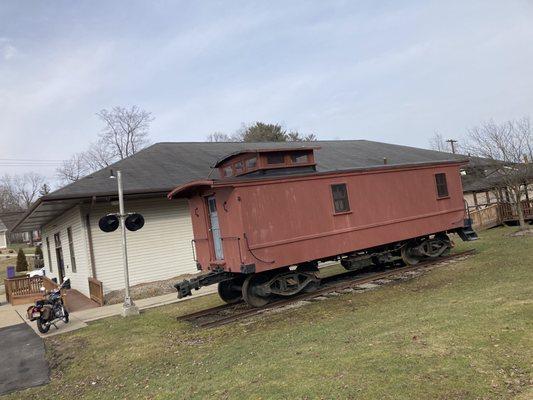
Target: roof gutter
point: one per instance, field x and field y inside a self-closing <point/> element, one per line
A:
<point x="49" y="199"/>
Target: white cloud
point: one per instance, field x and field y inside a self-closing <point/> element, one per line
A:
<point x="7" y="50"/>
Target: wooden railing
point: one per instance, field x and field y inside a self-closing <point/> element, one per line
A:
<point x="23" y="289"/>
<point x="96" y="291"/>
<point x="484" y="218"/>
<point x="509" y="212"/>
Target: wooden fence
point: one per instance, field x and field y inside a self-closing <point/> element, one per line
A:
<point x="96" y="291"/>
<point x="486" y="218"/>
<point x="509" y="212"/>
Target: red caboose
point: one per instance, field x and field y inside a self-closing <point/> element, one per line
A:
<point x="262" y="228"/>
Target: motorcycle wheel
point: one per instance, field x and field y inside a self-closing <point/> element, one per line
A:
<point x="43" y="327"/>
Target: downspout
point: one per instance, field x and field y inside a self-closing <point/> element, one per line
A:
<point x="87" y="216"/>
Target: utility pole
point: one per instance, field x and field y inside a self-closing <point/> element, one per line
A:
<point x="128" y="308"/>
<point x="452" y="143"/>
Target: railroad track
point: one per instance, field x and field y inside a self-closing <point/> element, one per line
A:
<point x="228" y="313"/>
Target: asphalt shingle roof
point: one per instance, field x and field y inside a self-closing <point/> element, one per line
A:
<point x="163" y="166"/>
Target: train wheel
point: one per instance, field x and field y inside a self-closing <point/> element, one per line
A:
<point x="311" y="286"/>
<point x="249" y="293"/>
<point x="407" y="255"/>
<point x="228" y="292"/>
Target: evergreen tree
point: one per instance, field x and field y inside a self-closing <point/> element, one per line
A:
<point x="22" y="263"/>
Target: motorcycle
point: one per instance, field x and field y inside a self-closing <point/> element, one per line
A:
<point x="49" y="310"/>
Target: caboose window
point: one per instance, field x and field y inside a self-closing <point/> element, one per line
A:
<point x="228" y="171"/>
<point x="275" y="158"/>
<point x="340" y="198"/>
<point x="298" y="158"/>
<point x="442" y="186"/>
<point x="239" y="167"/>
<point x="251" y="163"/>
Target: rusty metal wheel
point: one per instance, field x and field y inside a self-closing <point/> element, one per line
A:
<point x="311" y="286"/>
<point x="407" y="255"/>
<point x="249" y="291"/>
<point x="229" y="291"/>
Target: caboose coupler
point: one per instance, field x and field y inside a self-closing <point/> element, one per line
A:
<point x="186" y="286"/>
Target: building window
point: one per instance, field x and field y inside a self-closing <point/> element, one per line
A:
<point x="275" y="158"/>
<point x="251" y="163"/>
<point x="49" y="254"/>
<point x="442" y="186"/>
<point x="299" y="158"/>
<point x="340" y="198"/>
<point x="71" y="249"/>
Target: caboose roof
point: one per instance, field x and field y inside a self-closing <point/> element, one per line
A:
<point x="226" y="157"/>
<point x="191" y="187"/>
<point x="158" y="169"/>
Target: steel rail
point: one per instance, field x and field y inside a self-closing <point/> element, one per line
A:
<point x="329" y="285"/>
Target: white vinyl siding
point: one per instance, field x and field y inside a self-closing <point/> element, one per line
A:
<point x="3" y="240"/>
<point x="72" y="219"/>
<point x="160" y="250"/>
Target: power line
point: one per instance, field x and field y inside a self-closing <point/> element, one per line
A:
<point x="28" y="159"/>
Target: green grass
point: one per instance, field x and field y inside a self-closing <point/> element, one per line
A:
<point x="24" y="246"/>
<point x="463" y="331"/>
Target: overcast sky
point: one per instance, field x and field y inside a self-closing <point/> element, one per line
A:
<point x="392" y="71"/>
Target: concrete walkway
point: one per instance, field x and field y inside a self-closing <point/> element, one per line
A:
<point x="144" y="304"/>
<point x="12" y="315"/>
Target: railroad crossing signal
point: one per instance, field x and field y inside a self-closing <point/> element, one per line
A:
<point x="111" y="222"/>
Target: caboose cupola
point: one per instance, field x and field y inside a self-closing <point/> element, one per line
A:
<point x="278" y="161"/>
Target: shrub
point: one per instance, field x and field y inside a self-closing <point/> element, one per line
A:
<point x="22" y="263"/>
<point x="38" y="253"/>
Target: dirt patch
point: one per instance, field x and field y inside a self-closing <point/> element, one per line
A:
<point x="527" y="232"/>
<point x="146" y="290"/>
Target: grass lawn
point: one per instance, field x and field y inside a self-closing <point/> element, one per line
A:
<point x="24" y="246"/>
<point x="463" y="331"/>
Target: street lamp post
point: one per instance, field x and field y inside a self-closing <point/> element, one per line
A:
<point x="128" y="308"/>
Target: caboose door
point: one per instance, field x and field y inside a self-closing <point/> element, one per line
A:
<point x="215" y="228"/>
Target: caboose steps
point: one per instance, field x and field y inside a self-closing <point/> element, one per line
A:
<point x="467" y="234"/>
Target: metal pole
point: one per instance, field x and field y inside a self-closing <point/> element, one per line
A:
<point x="128" y="307"/>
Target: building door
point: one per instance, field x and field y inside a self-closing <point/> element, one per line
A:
<point x="59" y="258"/>
<point x="215" y="228"/>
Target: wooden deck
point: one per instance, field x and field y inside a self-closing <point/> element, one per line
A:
<point x="491" y="215"/>
<point x="25" y="290"/>
<point x="77" y="301"/>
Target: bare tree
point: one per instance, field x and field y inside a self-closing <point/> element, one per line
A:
<point x="8" y="197"/>
<point x="28" y="187"/>
<point x="72" y="169"/>
<point x="510" y="147"/>
<point x="219" y="137"/>
<point x="21" y="191"/>
<point x="98" y="156"/>
<point x="125" y="131"/>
